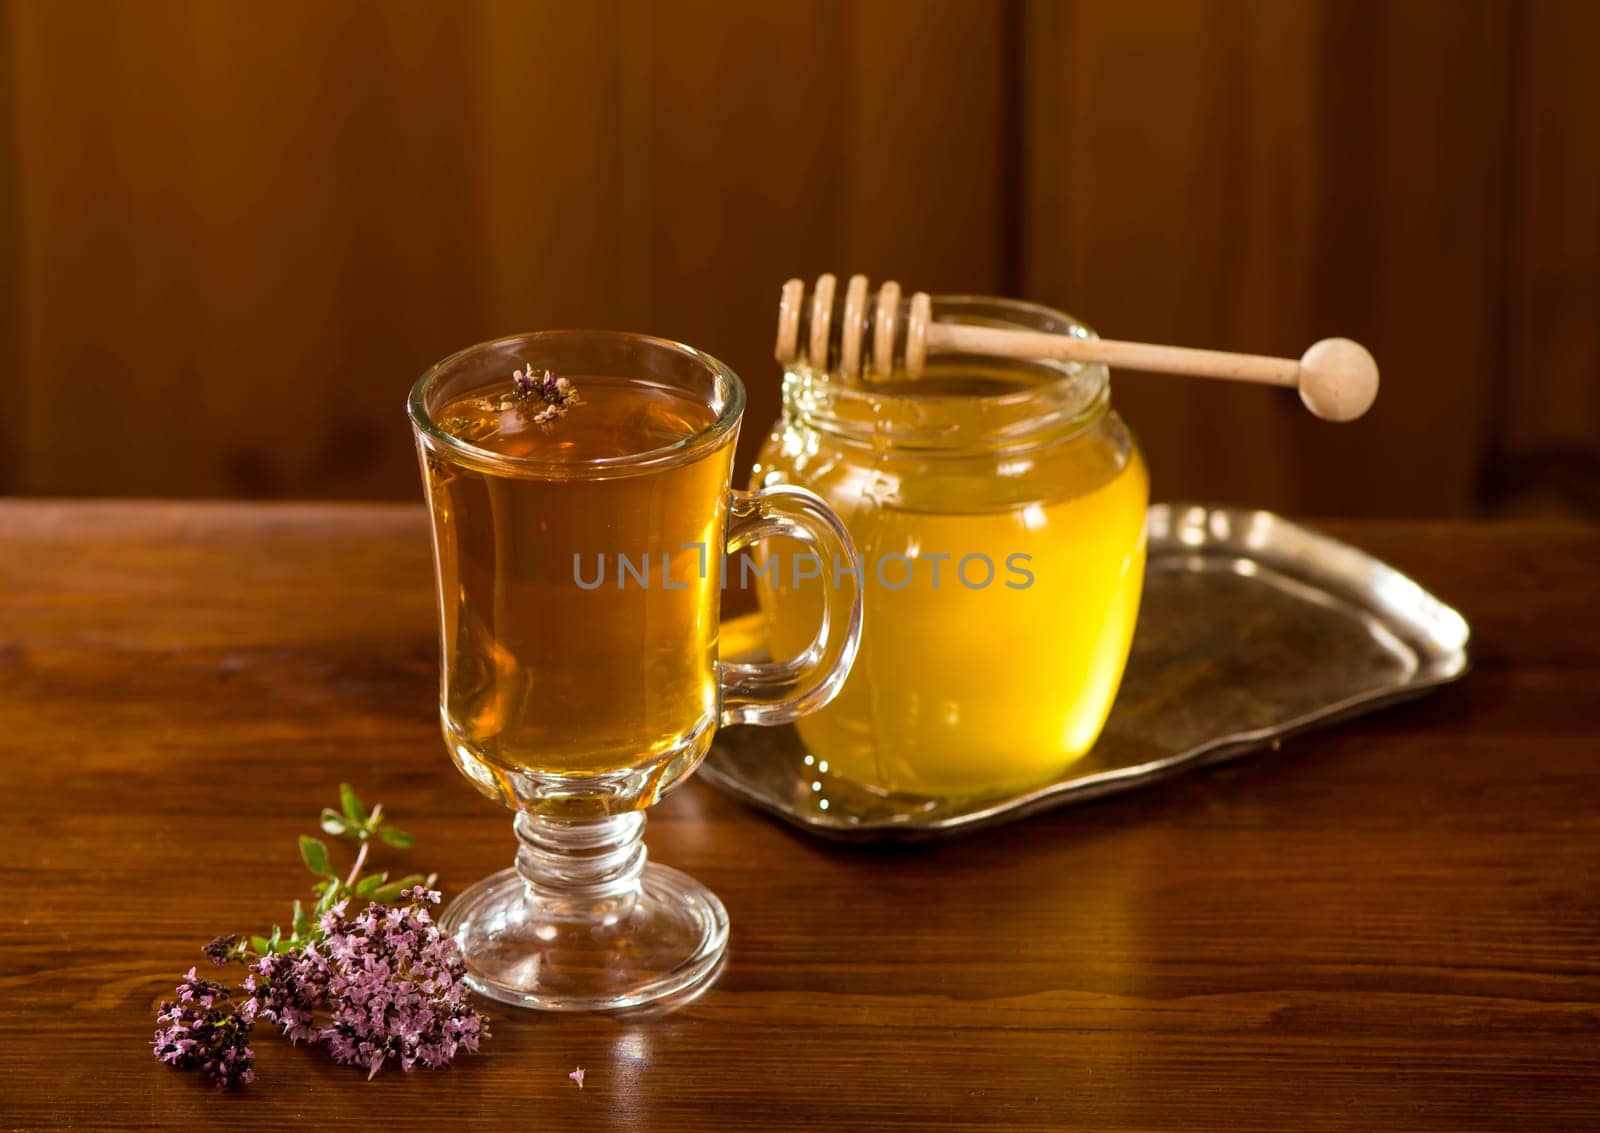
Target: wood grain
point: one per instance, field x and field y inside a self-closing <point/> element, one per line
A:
<point x="244" y="232"/>
<point x="1389" y="925"/>
<point x="1548" y="445"/>
<point x="1258" y="176"/>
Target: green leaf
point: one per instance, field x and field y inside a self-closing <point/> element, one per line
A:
<point x="326" y="901"/>
<point x="367" y="886"/>
<point x="354" y="812"/>
<point x="397" y="838"/>
<point x="302" y="923"/>
<point x="333" y="822"/>
<point x="259" y="944"/>
<point x="315" y="854"/>
<point x="391" y="892"/>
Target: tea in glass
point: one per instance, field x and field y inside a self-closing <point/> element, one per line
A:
<point x="586" y="666"/>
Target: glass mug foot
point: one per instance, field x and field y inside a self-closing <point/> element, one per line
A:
<point x="582" y="923"/>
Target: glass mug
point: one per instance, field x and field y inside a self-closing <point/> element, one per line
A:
<point x="579" y="564"/>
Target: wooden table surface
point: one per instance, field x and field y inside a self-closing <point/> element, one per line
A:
<point x="1391" y="925"/>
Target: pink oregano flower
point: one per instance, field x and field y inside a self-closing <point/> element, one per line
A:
<point x="203" y="1029"/>
<point x="389" y="983"/>
<point x="384" y="985"/>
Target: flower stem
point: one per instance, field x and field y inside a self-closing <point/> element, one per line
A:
<point x="366" y="843"/>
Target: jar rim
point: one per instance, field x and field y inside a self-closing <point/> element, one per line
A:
<point x="1045" y="411"/>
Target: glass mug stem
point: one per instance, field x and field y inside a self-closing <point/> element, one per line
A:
<point x="583" y="869"/>
<point x="576" y="700"/>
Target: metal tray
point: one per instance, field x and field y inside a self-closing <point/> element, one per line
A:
<point x="1252" y="628"/>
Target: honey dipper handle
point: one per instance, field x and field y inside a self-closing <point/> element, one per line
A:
<point x="1337" y="378"/>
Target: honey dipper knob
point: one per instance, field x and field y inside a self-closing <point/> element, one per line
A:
<point x="1338" y="379"/>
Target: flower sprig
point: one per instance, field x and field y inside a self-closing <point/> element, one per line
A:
<point x="352" y="821"/>
<point x="369" y="987"/>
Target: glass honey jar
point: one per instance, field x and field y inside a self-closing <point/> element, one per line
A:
<point x="998" y="507"/>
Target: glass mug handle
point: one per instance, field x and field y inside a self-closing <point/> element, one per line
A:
<point x="777" y="692"/>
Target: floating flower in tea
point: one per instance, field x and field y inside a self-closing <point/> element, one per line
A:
<point x="556" y="393"/>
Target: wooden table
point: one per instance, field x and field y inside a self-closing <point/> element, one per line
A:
<point x="1391" y="925"/>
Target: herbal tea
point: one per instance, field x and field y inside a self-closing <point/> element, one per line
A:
<point x="550" y="665"/>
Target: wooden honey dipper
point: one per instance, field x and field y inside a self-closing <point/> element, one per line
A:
<point x="1337" y="378"/>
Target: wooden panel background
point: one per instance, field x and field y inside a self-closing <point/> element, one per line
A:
<point x="232" y="233"/>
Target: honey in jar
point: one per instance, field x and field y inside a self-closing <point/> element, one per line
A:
<point x="998" y="508"/>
